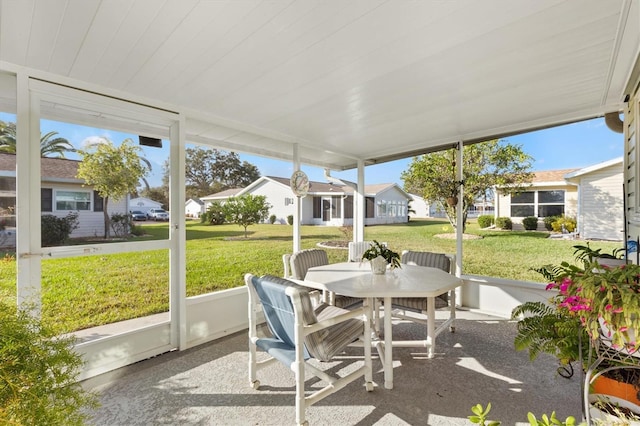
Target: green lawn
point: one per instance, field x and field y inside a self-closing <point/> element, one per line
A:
<point x="86" y="291"/>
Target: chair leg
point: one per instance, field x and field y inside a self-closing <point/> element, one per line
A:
<point x="300" y="401"/>
<point x="452" y="307"/>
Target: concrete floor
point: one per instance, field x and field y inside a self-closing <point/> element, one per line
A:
<point x="208" y="385"/>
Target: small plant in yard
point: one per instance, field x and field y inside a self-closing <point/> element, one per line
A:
<point x="272" y="219"/>
<point x="485" y="220"/>
<point x="290" y="219"/>
<point x="564" y="223"/>
<point x="548" y="222"/>
<point x="38" y="373"/>
<point x="530" y="223"/>
<point x="57" y="230"/>
<point x="504" y="223"/>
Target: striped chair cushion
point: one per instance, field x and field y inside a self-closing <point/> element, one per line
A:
<point x="303" y="260"/>
<point x="338" y="336"/>
<point x="423" y="258"/>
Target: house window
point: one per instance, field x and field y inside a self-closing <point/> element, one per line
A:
<point x="73" y="200"/>
<point x="369" y="209"/>
<point x="98" y="202"/>
<point x="550" y="203"/>
<point x="537" y="203"/>
<point x="317" y="207"/>
<point x="382" y="208"/>
<point x="336" y="207"/>
<point x="46" y="199"/>
<point x="348" y="207"/>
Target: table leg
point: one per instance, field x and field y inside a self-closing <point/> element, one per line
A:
<point x="388" y="345"/>
<point x="431" y="326"/>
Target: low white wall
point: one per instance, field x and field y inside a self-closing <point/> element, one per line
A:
<point x="215" y="315"/>
<point x="497" y="296"/>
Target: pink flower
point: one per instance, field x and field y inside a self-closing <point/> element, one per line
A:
<point x="550" y="286"/>
<point x="618" y="310"/>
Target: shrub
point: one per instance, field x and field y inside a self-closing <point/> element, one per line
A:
<point x="485" y="220"/>
<point x="563" y="223"/>
<point x="121" y="224"/>
<point x="56" y="230"/>
<point x="504" y="223"/>
<point x="214" y="214"/>
<point x="272" y="219"/>
<point x="38" y="384"/>
<point x="136" y="230"/>
<point x="530" y="223"/>
<point x="548" y="222"/>
<point x="290" y="219"/>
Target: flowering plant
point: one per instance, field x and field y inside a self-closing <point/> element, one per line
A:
<point x="600" y="295"/>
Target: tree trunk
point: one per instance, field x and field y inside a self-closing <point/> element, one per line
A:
<point x="106" y="218"/>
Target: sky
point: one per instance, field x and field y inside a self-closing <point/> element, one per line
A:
<point x="575" y="145"/>
<point x="571" y="146"/>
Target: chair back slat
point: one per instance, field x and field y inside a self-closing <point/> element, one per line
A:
<point x="425" y="258"/>
<point x="302" y="260"/>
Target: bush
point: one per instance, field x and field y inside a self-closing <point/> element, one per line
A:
<point x="121" y="224"/>
<point x="38" y="384"/>
<point x="214" y="214"/>
<point x="290" y="219"/>
<point x="272" y="219"/>
<point x="485" y="220"/>
<point x="530" y="223"/>
<point x="136" y="230"/>
<point x="548" y="222"/>
<point x="504" y="223"/>
<point x="56" y="230"/>
<point x="564" y="223"/>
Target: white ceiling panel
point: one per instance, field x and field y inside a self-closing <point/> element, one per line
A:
<point x="344" y="80"/>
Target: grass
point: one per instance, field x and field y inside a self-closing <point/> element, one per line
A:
<point x="86" y="291"/>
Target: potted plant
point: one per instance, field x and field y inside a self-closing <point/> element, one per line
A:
<point x="380" y="256"/>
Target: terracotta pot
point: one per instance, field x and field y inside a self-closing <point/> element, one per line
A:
<point x="606" y="386"/>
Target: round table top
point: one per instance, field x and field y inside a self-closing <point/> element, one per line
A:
<point x="356" y="279"/>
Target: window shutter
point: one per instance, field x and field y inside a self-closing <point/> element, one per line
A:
<point x="98" y="202"/>
<point x="46" y="199"/>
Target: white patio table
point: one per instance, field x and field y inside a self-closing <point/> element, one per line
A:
<point x="356" y="279"/>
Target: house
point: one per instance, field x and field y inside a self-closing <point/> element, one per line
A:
<point x="593" y="195"/>
<point x="61" y="193"/>
<point x="219" y="197"/>
<point x="600" y="209"/>
<point x="548" y="195"/>
<point x="326" y="203"/>
<point x="194" y="207"/>
<point x="419" y="207"/>
<point x="143" y="204"/>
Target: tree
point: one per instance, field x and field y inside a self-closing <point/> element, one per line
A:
<point x="113" y="171"/>
<point x="211" y="170"/>
<point x="246" y="210"/>
<point x="50" y="146"/>
<point x="485" y="165"/>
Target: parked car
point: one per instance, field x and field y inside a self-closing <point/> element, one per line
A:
<point x="138" y="215"/>
<point x="157" y="214"/>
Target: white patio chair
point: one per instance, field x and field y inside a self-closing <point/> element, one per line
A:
<point x="400" y="305"/>
<point x="300" y="333"/>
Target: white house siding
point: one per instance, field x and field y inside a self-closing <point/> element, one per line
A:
<point x="280" y="198"/>
<point x="91" y="223"/>
<point x="420" y="206"/>
<point x="395" y="210"/>
<point x="601" y="206"/>
<point x="193" y="209"/>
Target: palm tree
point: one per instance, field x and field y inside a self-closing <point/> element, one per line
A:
<point x="50" y="146"/>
